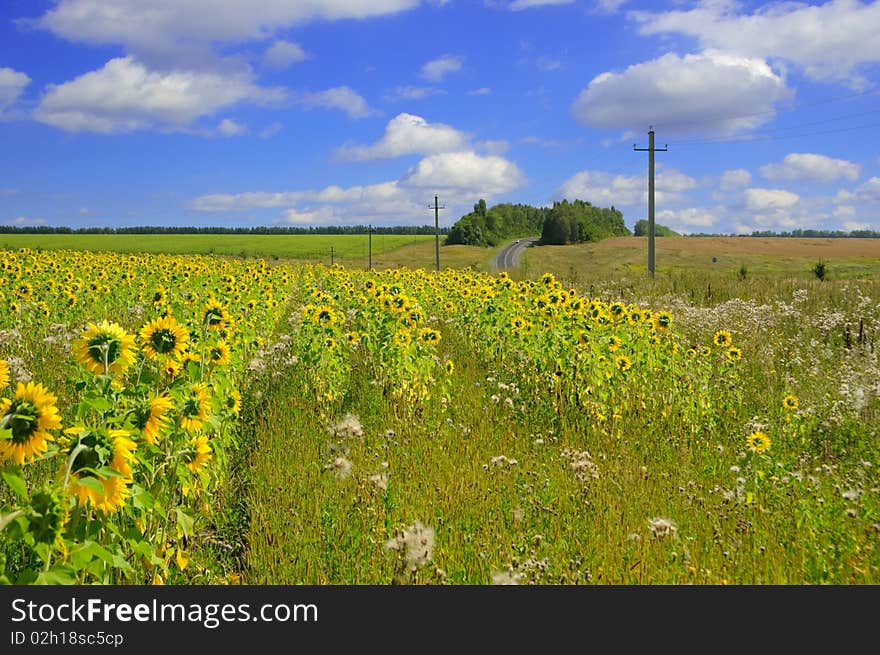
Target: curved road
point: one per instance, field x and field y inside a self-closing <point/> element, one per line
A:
<point x="508" y="257"/>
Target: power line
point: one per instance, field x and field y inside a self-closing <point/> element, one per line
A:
<point x="769" y="136"/>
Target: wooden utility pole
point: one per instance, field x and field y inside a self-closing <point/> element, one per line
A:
<point x="436" y="207"/>
<point x="331" y="255"/>
<point x="650" y="150"/>
<point x="370" y="247"/>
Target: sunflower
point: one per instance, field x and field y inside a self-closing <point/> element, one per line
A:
<point x="233" y="401"/>
<point x="29" y="416"/>
<point x="583" y="337"/>
<point x="4" y="373"/>
<point x="758" y="442"/>
<point x="662" y="321"/>
<point x="353" y="338"/>
<point x="325" y="316"/>
<point x="219" y="354"/>
<point x="195" y="408"/>
<point x="214" y="316"/>
<point x="152" y="417"/>
<point x="160" y="295"/>
<point x="722" y="338"/>
<point x="449" y="366"/>
<point x="614" y="343"/>
<point x="429" y="336"/>
<point x="105" y="348"/>
<point x="790" y="402"/>
<point x="623" y="362"/>
<point x="46" y="516"/>
<point x="95" y="450"/>
<point x="164" y="336"/>
<point x="200" y="454"/>
<point x="733" y="354"/>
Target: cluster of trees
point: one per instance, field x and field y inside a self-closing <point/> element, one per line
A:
<point x="564" y="222"/>
<point x="492" y="226"/>
<point x="173" y="229"/>
<point x="579" y="221"/>
<point x="641" y="230"/>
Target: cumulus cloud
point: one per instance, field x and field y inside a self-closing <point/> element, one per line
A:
<point x="518" y="5"/>
<point x="487" y="175"/>
<point x="710" y="91"/>
<point x="603" y="189"/>
<point x="869" y="192"/>
<point x="829" y="41"/>
<point x="229" y="127"/>
<point x="687" y="220"/>
<point x="436" y="69"/>
<point x="25" y="221"/>
<point x="124" y="96"/>
<point x="407" y="134"/>
<point x="482" y="91"/>
<point x="159" y="27"/>
<point x="282" y="54"/>
<point x="765" y="199"/>
<point x="340" y="97"/>
<point x="811" y="167"/>
<point x="12" y="85"/>
<point x="461" y="174"/>
<point x="735" y="179"/>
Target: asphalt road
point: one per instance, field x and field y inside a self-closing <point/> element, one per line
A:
<point x="508" y="257"/>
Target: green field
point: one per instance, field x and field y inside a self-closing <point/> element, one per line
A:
<point x="349" y="247"/>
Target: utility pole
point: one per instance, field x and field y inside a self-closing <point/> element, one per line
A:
<point x="370" y="247"/>
<point x="437" y="209"/>
<point x="650" y="150"/>
<point x="331" y="255"/>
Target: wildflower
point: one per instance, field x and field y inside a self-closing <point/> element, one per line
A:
<point x="662" y="528"/>
<point x="349" y="426"/>
<point x="416" y="543"/>
<point x="506" y="578"/>
<point x="662" y="321"/>
<point x="614" y="343"/>
<point x="341" y="467"/>
<point x="105" y="348"/>
<point x="429" y="336"/>
<point x="233" y="401"/>
<point x="623" y="362"/>
<point x="4" y="373"/>
<point x="449" y="366"/>
<point x="215" y="316"/>
<point x="758" y="442"/>
<point x="733" y="354"/>
<point x="164" y="336"/>
<point x="219" y="354"/>
<point x="790" y="402"/>
<point x="28" y="416"/>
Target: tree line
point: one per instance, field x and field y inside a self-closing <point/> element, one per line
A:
<point x="173" y="229"/>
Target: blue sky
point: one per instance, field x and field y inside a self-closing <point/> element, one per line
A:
<point x="330" y="112"/>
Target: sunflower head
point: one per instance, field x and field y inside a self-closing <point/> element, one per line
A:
<point x="46" y="516"/>
<point x="28" y="417"/>
<point x="164" y="337"/>
<point x="758" y="442"/>
<point x="790" y="402"/>
<point x="4" y="373"/>
<point x="105" y="348"/>
<point x="101" y="467"/>
<point x="722" y="338"/>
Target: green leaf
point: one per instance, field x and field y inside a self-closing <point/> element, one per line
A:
<point x="92" y="483"/>
<point x="141" y="498"/>
<point x="57" y="576"/>
<point x="98" y="403"/>
<point x="185" y="522"/>
<point x="14" y="479"/>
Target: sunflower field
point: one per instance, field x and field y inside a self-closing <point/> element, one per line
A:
<point x="197" y="419"/>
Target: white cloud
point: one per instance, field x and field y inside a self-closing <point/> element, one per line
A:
<point x="851" y="226"/>
<point x="493" y="146"/>
<point x="229" y="127"/>
<point x="710" y="91"/>
<point x="340" y="97"/>
<point x="124" y="96"/>
<point x="282" y="54"/>
<point x="869" y="192"/>
<point x="518" y="5"/>
<point x="271" y="130"/>
<point x="436" y="69"/>
<point x="609" y="6"/>
<point x="149" y="27"/>
<point x="482" y="91"/>
<point x="769" y="199"/>
<point x="604" y="190"/>
<point x="811" y="167"/>
<point x="466" y="176"/>
<point x="413" y="93"/>
<point x="684" y="220"/>
<point x="24" y="221"/>
<point x="844" y="211"/>
<point x="466" y="171"/>
<point x="830" y="41"/>
<point x="407" y="134"/>
<point x="735" y="179"/>
<point x="12" y="85"/>
<point x="547" y="64"/>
